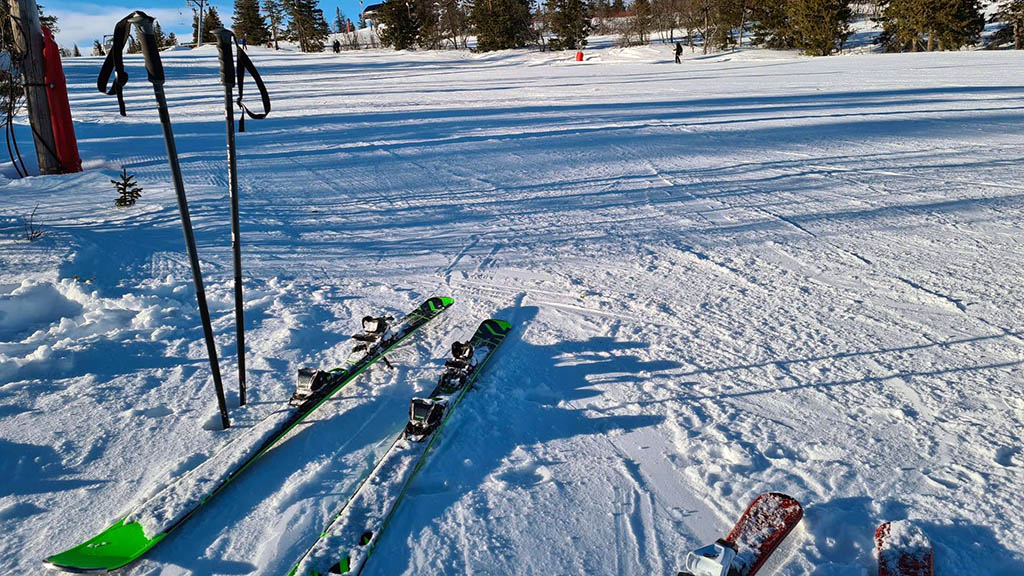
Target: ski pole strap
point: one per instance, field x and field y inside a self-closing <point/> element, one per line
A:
<point x="114" y="63"/>
<point x="244" y="65"/>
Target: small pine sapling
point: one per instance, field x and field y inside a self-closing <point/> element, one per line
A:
<point x="128" y="188"/>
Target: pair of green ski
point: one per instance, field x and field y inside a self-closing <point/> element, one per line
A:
<point x="145" y="526"/>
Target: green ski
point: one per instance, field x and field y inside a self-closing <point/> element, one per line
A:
<point x="145" y="526"/>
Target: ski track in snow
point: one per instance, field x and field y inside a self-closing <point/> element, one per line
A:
<point x="750" y="272"/>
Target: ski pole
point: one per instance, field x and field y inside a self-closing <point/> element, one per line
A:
<point x="232" y="75"/>
<point x="227" y="78"/>
<point x="155" y="71"/>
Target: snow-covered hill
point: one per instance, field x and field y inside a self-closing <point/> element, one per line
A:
<point x="752" y="271"/>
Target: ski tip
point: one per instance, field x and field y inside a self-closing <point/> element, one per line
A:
<point x="500" y="324"/>
<point x="438" y="303"/>
<point x="784" y="501"/>
<point x="789" y="506"/>
<point x="110" y="550"/>
<point x="495" y="327"/>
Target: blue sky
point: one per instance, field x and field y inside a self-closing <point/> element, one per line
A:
<point x="82" y="22"/>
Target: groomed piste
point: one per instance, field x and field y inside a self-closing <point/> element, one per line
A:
<point x="751" y="272"/>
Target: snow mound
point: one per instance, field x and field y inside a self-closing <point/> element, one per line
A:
<point x="48" y="328"/>
<point x="33" y="305"/>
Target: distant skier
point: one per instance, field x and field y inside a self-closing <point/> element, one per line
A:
<point x="679" y="52"/>
<point x="245" y="42"/>
<point x="336" y="46"/>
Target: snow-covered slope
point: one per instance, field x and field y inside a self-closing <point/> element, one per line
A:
<point x="750" y="272"/>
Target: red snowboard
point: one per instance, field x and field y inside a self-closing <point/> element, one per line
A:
<point x="903" y="550"/>
<point x="764" y="525"/>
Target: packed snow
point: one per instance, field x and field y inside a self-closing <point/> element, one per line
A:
<point x="751" y="272"/>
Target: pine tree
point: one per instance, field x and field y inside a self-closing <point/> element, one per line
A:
<point x="211" y="21"/>
<point x="398" y="26"/>
<point x="307" y="24"/>
<point x="618" y="6"/>
<point x="901" y="23"/>
<point x="47" y="20"/>
<point x="128" y="189"/>
<point x="771" y="27"/>
<point x="735" y="17"/>
<point x="97" y="49"/>
<point x="76" y="52"/>
<point x="158" y="32"/>
<point x="172" y="40"/>
<point x="570" y="22"/>
<point x="275" y="16"/>
<point x="1011" y="13"/>
<point x="362" y="21"/>
<point x="248" y="23"/>
<point x="958" y="23"/>
<point x="820" y="27"/>
<point x="930" y="24"/>
<point x="502" y="24"/>
<point x="709" y="19"/>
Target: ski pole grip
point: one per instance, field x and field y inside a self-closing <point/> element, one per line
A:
<point x="150" y="51"/>
<point x="227" y="64"/>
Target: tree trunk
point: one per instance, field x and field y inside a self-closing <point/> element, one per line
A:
<point x="707" y="28"/>
<point x="743" y="22"/>
<point x="28" y="42"/>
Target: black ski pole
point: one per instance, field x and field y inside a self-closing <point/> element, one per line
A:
<point x="232" y="75"/>
<point x="227" y="78"/>
<point x="155" y="71"/>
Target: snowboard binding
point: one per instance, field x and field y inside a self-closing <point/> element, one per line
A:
<point x="711" y="560"/>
